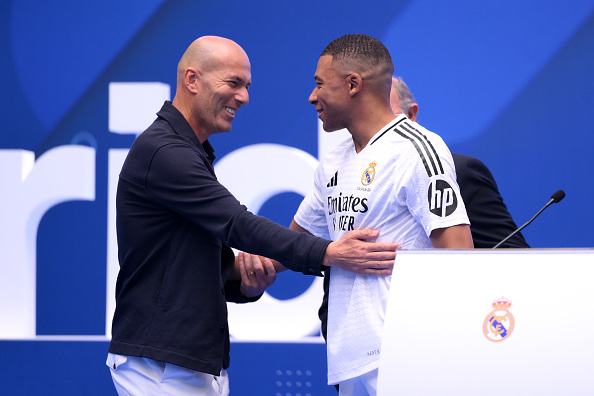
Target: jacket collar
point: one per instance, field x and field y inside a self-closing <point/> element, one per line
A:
<point x="181" y="126"/>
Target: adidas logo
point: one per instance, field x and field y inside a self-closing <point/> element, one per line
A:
<point x="333" y="181"/>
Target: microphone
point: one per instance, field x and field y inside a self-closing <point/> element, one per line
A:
<point x="556" y="197"/>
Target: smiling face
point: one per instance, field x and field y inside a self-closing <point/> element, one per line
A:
<point x="222" y="90"/>
<point x="331" y="95"/>
<point x="213" y="77"/>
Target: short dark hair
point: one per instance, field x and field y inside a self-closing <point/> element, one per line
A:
<point x="362" y="49"/>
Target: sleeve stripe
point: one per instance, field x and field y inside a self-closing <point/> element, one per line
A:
<point x="404" y="135"/>
<point x="423" y="146"/>
<point x="432" y="154"/>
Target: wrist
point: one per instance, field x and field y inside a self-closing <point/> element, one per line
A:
<point x="327" y="260"/>
<point x="249" y="296"/>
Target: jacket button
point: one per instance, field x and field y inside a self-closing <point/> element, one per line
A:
<point x="312" y="271"/>
<point x="222" y="328"/>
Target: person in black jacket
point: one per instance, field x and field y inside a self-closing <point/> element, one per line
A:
<point x="176" y="225"/>
<point x="490" y="221"/>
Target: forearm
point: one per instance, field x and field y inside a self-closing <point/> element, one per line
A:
<point x="455" y="237"/>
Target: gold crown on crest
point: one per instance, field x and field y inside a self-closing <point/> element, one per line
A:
<point x="502" y="303"/>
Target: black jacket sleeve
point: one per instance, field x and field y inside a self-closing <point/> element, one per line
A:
<point x="197" y="195"/>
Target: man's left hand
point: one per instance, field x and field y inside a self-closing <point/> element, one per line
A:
<point x="257" y="274"/>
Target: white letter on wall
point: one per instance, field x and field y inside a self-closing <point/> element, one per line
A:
<point x="28" y="189"/>
<point x="255" y="174"/>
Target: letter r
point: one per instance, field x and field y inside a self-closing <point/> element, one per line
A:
<point x="62" y="174"/>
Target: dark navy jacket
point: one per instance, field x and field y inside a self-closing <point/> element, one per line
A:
<point x="175" y="222"/>
<point x="490" y="221"/>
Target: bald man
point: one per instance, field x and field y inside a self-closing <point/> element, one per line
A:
<point x="176" y="225"/>
<point x="393" y="175"/>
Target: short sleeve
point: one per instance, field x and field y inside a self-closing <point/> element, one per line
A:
<point x="431" y="191"/>
<point x="311" y="213"/>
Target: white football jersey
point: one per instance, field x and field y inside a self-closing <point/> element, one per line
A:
<point x="402" y="183"/>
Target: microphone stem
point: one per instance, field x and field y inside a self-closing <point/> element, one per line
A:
<point x="524" y="226"/>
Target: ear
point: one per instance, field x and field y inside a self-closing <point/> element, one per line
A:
<point x="412" y="112"/>
<point x="354" y="83"/>
<point x="191" y="78"/>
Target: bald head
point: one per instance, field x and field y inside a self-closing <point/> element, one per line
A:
<point x="213" y="77"/>
<point x="209" y="53"/>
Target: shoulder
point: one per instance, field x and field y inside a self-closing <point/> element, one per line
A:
<point x="466" y="160"/>
<point x="420" y="144"/>
<point x="419" y="137"/>
<point x="159" y="144"/>
<point x="160" y="135"/>
<point x="470" y="167"/>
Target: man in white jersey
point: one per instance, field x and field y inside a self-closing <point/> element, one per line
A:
<point x="394" y="175"/>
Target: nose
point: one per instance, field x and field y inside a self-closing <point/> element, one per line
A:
<point x="313" y="97"/>
<point x="243" y="96"/>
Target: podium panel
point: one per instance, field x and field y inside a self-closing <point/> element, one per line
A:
<point x="484" y="322"/>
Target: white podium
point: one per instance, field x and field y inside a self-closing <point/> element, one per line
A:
<point x="444" y="336"/>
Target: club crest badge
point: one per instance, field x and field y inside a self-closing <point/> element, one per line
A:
<point x="369" y="174"/>
<point x="499" y="324"/>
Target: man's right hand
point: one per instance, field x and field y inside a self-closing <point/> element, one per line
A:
<point x="354" y="253"/>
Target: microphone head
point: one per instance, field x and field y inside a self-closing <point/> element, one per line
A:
<point x="558" y="196"/>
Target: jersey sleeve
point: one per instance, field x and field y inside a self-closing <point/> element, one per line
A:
<point x="431" y="192"/>
<point x="311" y="212"/>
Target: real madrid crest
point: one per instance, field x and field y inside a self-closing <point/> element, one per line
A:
<point x="499" y="324"/>
<point x="369" y="174"/>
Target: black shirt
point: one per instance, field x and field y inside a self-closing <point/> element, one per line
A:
<point x="175" y="223"/>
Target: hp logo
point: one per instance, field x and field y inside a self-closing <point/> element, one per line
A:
<point x="442" y="199"/>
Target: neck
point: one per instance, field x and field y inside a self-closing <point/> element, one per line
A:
<point x="362" y="131"/>
<point x="185" y="109"/>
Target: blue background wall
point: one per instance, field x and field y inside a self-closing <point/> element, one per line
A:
<point x="510" y="83"/>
